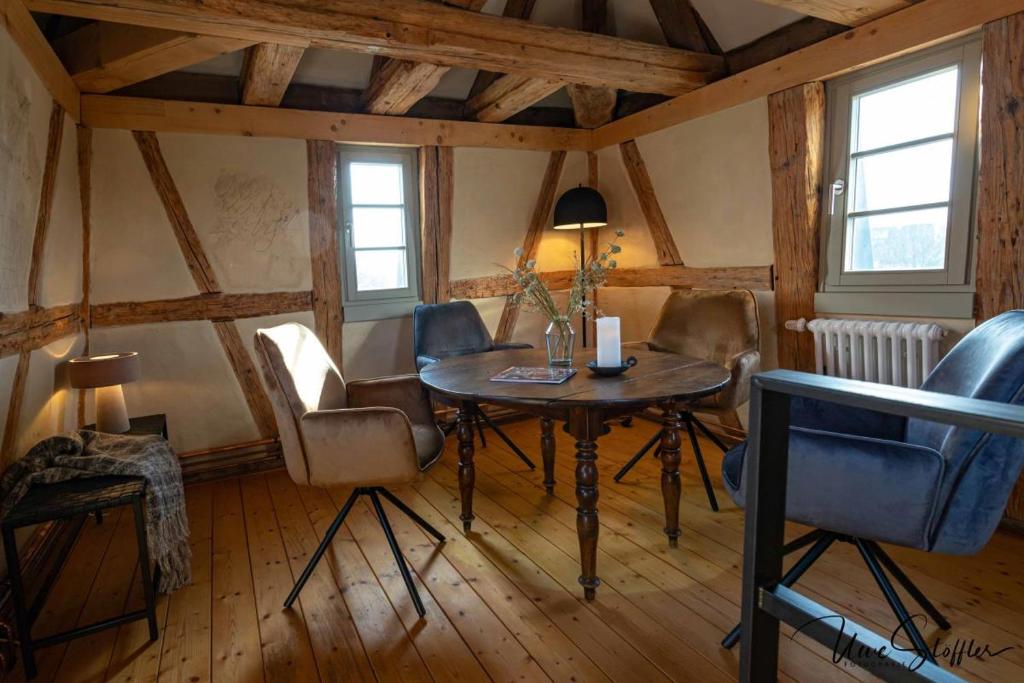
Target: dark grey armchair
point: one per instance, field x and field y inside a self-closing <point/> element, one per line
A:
<point x="442" y="331"/>
<point x="862" y="477"/>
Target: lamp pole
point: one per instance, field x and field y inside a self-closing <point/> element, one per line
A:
<point x="583" y="264"/>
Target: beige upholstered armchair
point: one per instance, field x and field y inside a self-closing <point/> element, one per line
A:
<point x="365" y="434"/>
<point x="716" y="325"/>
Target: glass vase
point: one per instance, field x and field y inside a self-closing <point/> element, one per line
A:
<point x="561" y="341"/>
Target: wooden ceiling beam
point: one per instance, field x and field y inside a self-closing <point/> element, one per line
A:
<point x="593" y="106"/>
<point x="924" y="24"/>
<point x="789" y="38"/>
<point x="127" y="113"/>
<point x="422" y="32"/>
<point x="514" y="9"/>
<point x="509" y="95"/>
<point x="267" y="72"/>
<point x="24" y="31"/>
<point x="103" y="57"/>
<point x="845" y="12"/>
<point x="396" y="85"/>
<point x="680" y="24"/>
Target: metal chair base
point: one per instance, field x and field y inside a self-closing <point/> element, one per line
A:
<point x="874" y="557"/>
<point x="481" y="419"/>
<point x="691" y="422"/>
<point x="374" y="492"/>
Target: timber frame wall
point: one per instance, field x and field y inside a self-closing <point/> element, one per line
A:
<point x="792" y="83"/>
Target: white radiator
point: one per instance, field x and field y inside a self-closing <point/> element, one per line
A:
<point x="895" y="353"/>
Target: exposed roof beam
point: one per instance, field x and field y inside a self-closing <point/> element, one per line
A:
<point x="396" y="85"/>
<point x="509" y="95"/>
<point x="680" y="24"/>
<point x="216" y="89"/>
<point x="926" y="23"/>
<point x="789" y="38"/>
<point x="514" y="9"/>
<point x="103" y="57"/>
<point x="268" y="70"/>
<point x="127" y="113"/>
<point x="419" y="31"/>
<point x="593" y="106"/>
<point x="845" y="12"/>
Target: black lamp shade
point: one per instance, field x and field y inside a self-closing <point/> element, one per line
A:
<point x="580" y="207"/>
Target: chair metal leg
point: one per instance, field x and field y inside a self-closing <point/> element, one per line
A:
<point x="508" y="442"/>
<point x="480" y="430"/>
<point x="403" y="568"/>
<point x="699" y="457"/>
<point x="322" y="548"/>
<point x="639" y="455"/>
<point x="21" y="615"/>
<point x="711" y="435"/>
<point x="909" y="585"/>
<point x="906" y="622"/>
<point x="802" y="542"/>
<point x="790" y="577"/>
<point x="410" y="513"/>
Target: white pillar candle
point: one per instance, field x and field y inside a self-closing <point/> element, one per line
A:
<point x="609" y="354"/>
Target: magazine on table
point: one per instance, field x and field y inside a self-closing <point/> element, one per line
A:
<point x="528" y="375"/>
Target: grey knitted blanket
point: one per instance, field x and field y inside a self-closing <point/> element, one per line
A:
<point x="85" y="454"/>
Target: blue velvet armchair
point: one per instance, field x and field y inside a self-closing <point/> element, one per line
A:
<point x="862" y="477"/>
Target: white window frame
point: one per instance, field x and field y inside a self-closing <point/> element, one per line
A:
<point x="390" y="303"/>
<point x="941" y="292"/>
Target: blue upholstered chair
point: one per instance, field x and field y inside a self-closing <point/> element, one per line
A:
<point x="442" y="331"/>
<point x="861" y="477"/>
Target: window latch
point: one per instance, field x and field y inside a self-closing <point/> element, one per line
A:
<point x="837" y="189"/>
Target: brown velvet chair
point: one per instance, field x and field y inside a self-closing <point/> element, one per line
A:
<point x="364" y="434"/>
<point x="716" y="325"/>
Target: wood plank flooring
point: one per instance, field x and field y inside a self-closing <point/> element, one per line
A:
<point x="503" y="603"/>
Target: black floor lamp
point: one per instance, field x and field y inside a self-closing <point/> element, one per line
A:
<point x="581" y="208"/>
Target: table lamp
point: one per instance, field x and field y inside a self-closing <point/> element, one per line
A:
<point x="106" y="374"/>
<point x="581" y="208"/>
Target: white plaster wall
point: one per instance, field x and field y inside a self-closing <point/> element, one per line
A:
<point x="48" y="405"/>
<point x="247" y="198"/>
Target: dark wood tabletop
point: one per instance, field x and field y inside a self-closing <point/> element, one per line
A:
<point x="586" y="403"/>
<point x="656" y="377"/>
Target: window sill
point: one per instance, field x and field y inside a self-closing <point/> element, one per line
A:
<point x="898" y="304"/>
<point x="379" y="310"/>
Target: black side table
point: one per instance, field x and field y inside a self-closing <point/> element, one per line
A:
<point x="75" y="500"/>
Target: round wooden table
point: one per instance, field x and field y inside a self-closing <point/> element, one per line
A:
<point x="585" y="403"/>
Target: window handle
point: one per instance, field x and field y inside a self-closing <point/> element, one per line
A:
<point x="837" y="189"/>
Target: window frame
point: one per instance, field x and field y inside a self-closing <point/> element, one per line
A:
<point x="931" y="292"/>
<point x="388" y="303"/>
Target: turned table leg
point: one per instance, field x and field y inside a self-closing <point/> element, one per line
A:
<point x="467" y="471"/>
<point x="586" y="515"/>
<point x="670" y="486"/>
<point x="547" y="451"/>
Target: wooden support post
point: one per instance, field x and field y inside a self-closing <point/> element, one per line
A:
<point x="323" y="245"/>
<point x="796" y="139"/>
<point x="13" y="421"/>
<point x="267" y="72"/>
<point x="668" y="253"/>
<point x="593" y="106"/>
<point x="195" y="257"/>
<point x="436" y="197"/>
<point x="248" y="377"/>
<point x="53" y="143"/>
<point x="85" y="200"/>
<point x="1000" y="283"/>
<point x="541" y="212"/>
<point x="202" y="272"/>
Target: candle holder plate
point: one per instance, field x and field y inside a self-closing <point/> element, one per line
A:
<point x="613" y="370"/>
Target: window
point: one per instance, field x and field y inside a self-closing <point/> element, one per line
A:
<point x="899" y="200"/>
<point x="378" y="199"/>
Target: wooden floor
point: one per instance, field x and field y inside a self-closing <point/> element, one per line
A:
<point x="503" y="603"/>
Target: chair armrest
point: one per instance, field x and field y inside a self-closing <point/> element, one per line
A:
<point x="359" y="446"/>
<point x="865" y="487"/>
<point x="505" y="346"/>
<point x="742" y="367"/>
<point x="404" y="392"/>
